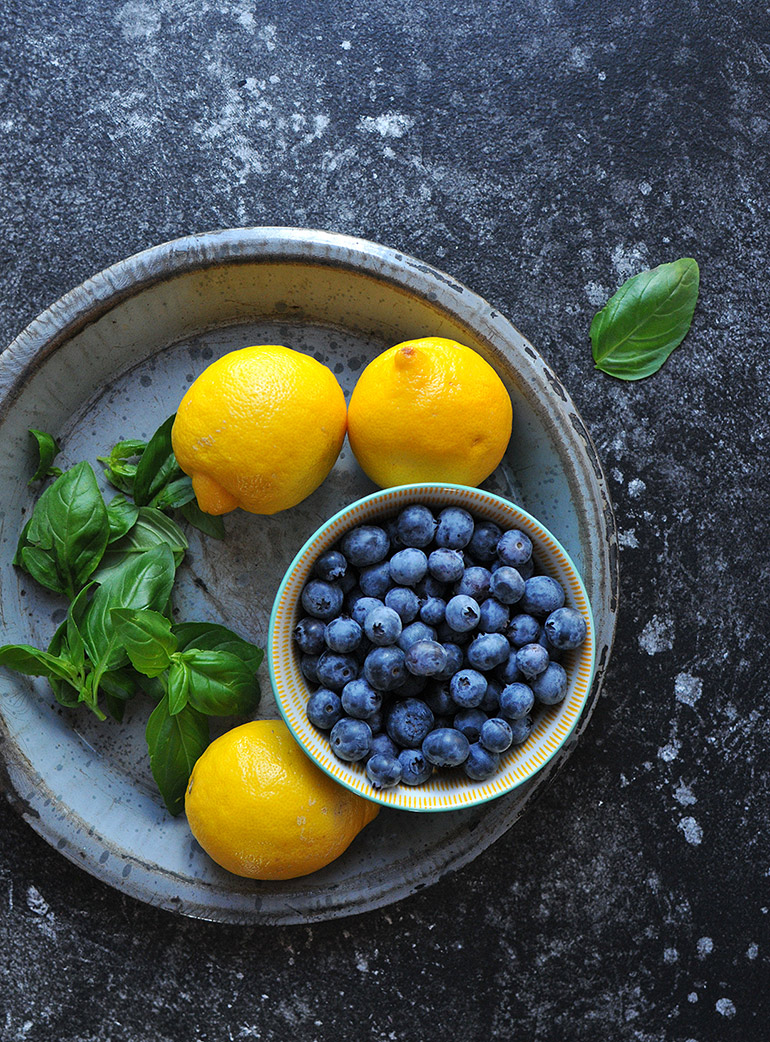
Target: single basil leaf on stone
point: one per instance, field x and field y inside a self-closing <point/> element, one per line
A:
<point x="210" y="636"/>
<point x="219" y="683"/>
<point x="121" y="516"/>
<point x="174" y="495"/>
<point x="157" y="466"/>
<point x="23" y="658"/>
<point x="210" y="524"/>
<point x="175" y="742"/>
<point x="178" y="686"/>
<point x="649" y="316"/>
<point x="70" y="524"/>
<point x="151" y="529"/>
<point x="147" y="638"/>
<point x="47" y="451"/>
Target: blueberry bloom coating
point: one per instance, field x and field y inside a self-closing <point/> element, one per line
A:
<point x="446" y="747"/>
<point x="481" y="763"/>
<point x="415" y="769"/>
<point x="322" y="600"/>
<point x="514" y="547"/>
<point x="496" y="735"/>
<point x="324" y="709"/>
<point x="342" y="635"/>
<point x="405" y="601"/>
<point x="383" y="771"/>
<point x="330" y="565"/>
<point x="425" y="658"/>
<point x="507" y="585"/>
<point x="446" y="565"/>
<point x="550" y="687"/>
<point x="565" y="628"/>
<point x="483" y="544"/>
<point x="408" y="722"/>
<point x="542" y="595"/>
<point x="408" y="566"/>
<point x="463" y="613"/>
<point x="350" y="739"/>
<point x="455" y="528"/>
<point x="365" y="545"/>
<point x="516" y="701"/>
<point x="382" y="626"/>
<point x="309" y="634"/>
<point x="384" y="668"/>
<point x="416" y="526"/>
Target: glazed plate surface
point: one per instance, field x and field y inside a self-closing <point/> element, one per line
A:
<point x="111" y="360"/>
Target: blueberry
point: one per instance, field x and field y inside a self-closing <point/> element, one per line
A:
<point x="507" y="585"/>
<point x="514" y="547"/>
<point x="429" y="587"/>
<point x="365" y="545"/>
<point x="469" y="722"/>
<point x="446" y="565"/>
<point x="309" y="635"/>
<point x="322" y="600"/>
<point x="413" y="632"/>
<point x="488" y="650"/>
<point x="375" y="721"/>
<point x="330" y="565"/>
<point x="408" y="722"/>
<point x="468" y="687"/>
<point x="508" y="672"/>
<point x="483" y="544"/>
<point x="463" y="613"/>
<point x="382" y="626"/>
<point x="416" y="526"/>
<point x="481" y="763"/>
<point x="343" y="634"/>
<point x="454" y="661"/>
<point x="359" y="699"/>
<point x="542" y="595"/>
<point x="404" y="601"/>
<point x="363" y="606"/>
<point x="408" y="566"/>
<point x="551" y="686"/>
<point x="309" y="667"/>
<point x="353" y="596"/>
<point x="350" y="739"/>
<point x="433" y="610"/>
<point x="455" y="528"/>
<point x="383" y="745"/>
<point x="496" y="735"/>
<point x="524" y="629"/>
<point x="521" y="730"/>
<point x="335" y="670"/>
<point x="415" y="769"/>
<point x="411" y="686"/>
<point x="445" y="747"/>
<point x="475" y="582"/>
<point x="565" y="628"/>
<point x="383" y="771"/>
<point x="526" y="570"/>
<point x="494" y="616"/>
<point x="490" y="703"/>
<point x="532" y="660"/>
<point x="375" y="580"/>
<point x="384" y="668"/>
<point x="425" y="658"/>
<point x="516" y="701"/>
<point x="324" y="709"/>
<point x="348" y="581"/>
<point x="438" y="699"/>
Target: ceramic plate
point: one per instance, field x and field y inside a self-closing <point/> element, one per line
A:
<point x="111" y="360"/>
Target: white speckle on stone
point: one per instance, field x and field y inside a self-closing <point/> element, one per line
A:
<point x="693" y="833"/>
<point x="683" y="794"/>
<point x="688" y="688"/>
<point x="389" y="124"/>
<point x="275" y="79"/>
<point x="752" y="951"/>
<point x="726" y="1007"/>
<point x="645" y="188"/>
<point x="657" y="635"/>
<point x="137" y="20"/>
<point x="671" y="751"/>
<point x="628" y="539"/>
<point x="362" y="964"/>
<point x="36" y="902"/>
<point x="602" y="77"/>
<point x="346" y="45"/>
<point x="596" y="293"/>
<point x="635" y="487"/>
<point x="693" y="996"/>
<point x="629" y="260"/>
<point x="670" y="956"/>
<point x="246" y="19"/>
<point x="269" y="35"/>
<point x="705" y="946"/>
<point x="617" y="475"/>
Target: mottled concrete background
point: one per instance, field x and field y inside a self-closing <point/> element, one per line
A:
<point x="541" y="152"/>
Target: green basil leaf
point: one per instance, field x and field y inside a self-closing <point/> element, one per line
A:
<point x="178" y="686"/>
<point x="42" y="567"/>
<point x="157" y="466"/>
<point x="210" y="524"/>
<point x="219" y="683"/>
<point x="116" y="707"/>
<point x="144" y="581"/>
<point x="118" y="684"/>
<point x="47" y="451"/>
<point x="152" y="529"/>
<point x="121" y="516"/>
<point x="649" y="316"/>
<point x="127" y="449"/>
<point x="174" y="495"/>
<point x="21" y="545"/>
<point x="69" y="524"/>
<point x="209" y="636"/>
<point x="121" y="476"/>
<point x="147" y="638"/>
<point x="23" y="658"/>
<point x="175" y="743"/>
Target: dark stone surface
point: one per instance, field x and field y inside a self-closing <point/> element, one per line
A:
<point x="540" y="152"/>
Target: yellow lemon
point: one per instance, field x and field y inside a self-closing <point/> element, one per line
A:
<point x="429" y="410"/>
<point x="259" y="429"/>
<point x="262" y="809"/>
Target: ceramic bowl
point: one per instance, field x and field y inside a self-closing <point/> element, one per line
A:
<point x="445" y="790"/>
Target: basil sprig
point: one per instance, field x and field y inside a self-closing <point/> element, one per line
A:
<point x="648" y="317"/>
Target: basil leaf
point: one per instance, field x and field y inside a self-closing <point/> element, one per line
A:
<point x="116" y="707"/>
<point x="144" y="581"/>
<point x="121" y="516"/>
<point x="157" y="466"/>
<point x="47" y="451"/>
<point x="649" y="316"/>
<point x="210" y="524"/>
<point x="118" y="684"/>
<point x="175" y="743"/>
<point x="209" y="636"/>
<point x="178" y="686"/>
<point x="219" y="684"/>
<point x="69" y="525"/>
<point x="147" y="638"/>
<point x="121" y="476"/>
<point x="21" y="545"/>
<point x="124" y="450"/>
<point x="176" y="494"/>
<point x="31" y="661"/>
<point x="152" y="529"/>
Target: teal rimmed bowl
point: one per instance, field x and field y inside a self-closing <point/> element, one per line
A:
<point x="446" y="790"/>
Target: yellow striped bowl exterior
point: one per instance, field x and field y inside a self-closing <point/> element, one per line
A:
<point x="445" y="790"/>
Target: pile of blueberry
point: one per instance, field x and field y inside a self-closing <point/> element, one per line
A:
<point x="431" y="640"/>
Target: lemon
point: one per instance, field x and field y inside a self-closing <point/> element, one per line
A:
<point x="429" y="410"/>
<point x="262" y="809"/>
<point x="259" y="429"/>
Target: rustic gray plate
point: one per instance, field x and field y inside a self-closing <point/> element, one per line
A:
<point x="111" y="360"/>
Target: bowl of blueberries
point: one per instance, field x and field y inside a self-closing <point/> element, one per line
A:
<point x="431" y="646"/>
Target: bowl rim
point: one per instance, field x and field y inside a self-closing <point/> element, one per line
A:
<point x="426" y="803"/>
